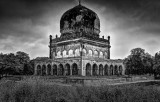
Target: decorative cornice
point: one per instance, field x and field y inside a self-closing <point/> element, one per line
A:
<point x="83" y="40"/>
<point x="73" y="37"/>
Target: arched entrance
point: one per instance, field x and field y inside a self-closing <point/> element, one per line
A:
<point x="111" y="70"/>
<point x="95" y="70"/>
<point x="61" y="70"/>
<point x="44" y="70"/>
<point x="84" y="52"/>
<point x="74" y="69"/>
<point x="120" y="70"/>
<point x="106" y="69"/>
<point x="100" y="69"/>
<point x="49" y="69"/>
<point x="115" y="70"/>
<point x="54" y="69"/>
<point x="88" y="69"/>
<point x="67" y="68"/>
<point x="38" y="70"/>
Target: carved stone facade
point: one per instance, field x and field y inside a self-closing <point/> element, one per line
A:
<point x="80" y="67"/>
<point x="79" y="50"/>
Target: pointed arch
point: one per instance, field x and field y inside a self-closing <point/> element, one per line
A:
<point x="39" y="69"/>
<point x="61" y="69"/>
<point x="120" y="70"/>
<point x="49" y="69"/>
<point x="101" y="54"/>
<point x="77" y="52"/>
<point x="100" y="69"/>
<point x="90" y="52"/>
<point x="96" y="53"/>
<point x="84" y="52"/>
<point x="115" y="70"/>
<point x="105" y="54"/>
<point x="54" y="69"/>
<point x="111" y="70"/>
<point x="70" y="53"/>
<point x="106" y="69"/>
<point x="95" y="70"/>
<point x="44" y="70"/>
<point x="64" y="53"/>
<point x="59" y="54"/>
<point x="68" y="69"/>
<point x="74" y="69"/>
<point x="88" y="69"/>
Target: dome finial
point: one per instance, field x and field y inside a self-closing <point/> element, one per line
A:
<point x="79" y="2"/>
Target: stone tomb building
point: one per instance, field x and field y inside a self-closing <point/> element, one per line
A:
<point x="79" y="50"/>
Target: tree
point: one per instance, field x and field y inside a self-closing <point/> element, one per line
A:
<point x="28" y="69"/>
<point x="8" y="64"/>
<point x="1" y="65"/>
<point x="139" y="62"/>
<point x="23" y="59"/>
<point x="147" y="61"/>
<point x="156" y="66"/>
<point x="11" y="64"/>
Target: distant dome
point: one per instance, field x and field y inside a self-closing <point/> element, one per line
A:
<point x="79" y="18"/>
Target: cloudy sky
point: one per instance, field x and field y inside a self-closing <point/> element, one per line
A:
<point x="25" y="25"/>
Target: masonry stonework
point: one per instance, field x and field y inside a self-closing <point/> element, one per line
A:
<point x="79" y="51"/>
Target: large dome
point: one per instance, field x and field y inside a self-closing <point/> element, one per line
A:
<point x="80" y="18"/>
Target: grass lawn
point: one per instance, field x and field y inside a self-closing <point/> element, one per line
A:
<point x="40" y="91"/>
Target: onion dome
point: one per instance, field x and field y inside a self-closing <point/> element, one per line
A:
<point x="79" y="19"/>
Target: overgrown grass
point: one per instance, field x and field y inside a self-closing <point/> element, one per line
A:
<point x="37" y="92"/>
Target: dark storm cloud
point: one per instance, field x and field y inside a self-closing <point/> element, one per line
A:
<point x="142" y="8"/>
<point x="18" y="15"/>
<point x="132" y="23"/>
<point x="138" y="11"/>
<point x="29" y="22"/>
<point x="17" y="18"/>
<point x="26" y="24"/>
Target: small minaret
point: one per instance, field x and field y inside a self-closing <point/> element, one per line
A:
<point x="109" y="47"/>
<point x="50" y="43"/>
<point x="109" y="39"/>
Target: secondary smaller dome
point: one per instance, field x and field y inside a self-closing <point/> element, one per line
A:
<point x="79" y="18"/>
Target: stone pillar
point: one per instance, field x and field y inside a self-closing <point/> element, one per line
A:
<point x="79" y="70"/>
<point x="51" y="69"/>
<point x="118" y="70"/>
<point x="81" y="61"/>
<point x="70" y="70"/>
<point x="41" y="70"/>
<point x="91" y="70"/>
<point x="35" y="70"/>
<point x="57" y="69"/>
<point x="113" y="71"/>
<point x="109" y="47"/>
<point x="108" y="71"/>
<point x="83" y="69"/>
<point x="50" y="48"/>
<point x="103" y="71"/>
<point x="98" y="70"/>
<point x="46" y="70"/>
<point x="65" y="70"/>
<point x="123" y="69"/>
